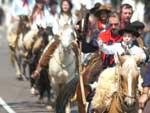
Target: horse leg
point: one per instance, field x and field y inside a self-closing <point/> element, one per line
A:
<point x="55" y="89"/>
<point x="24" y="66"/>
<point x="12" y="58"/>
<point x="49" y="107"/>
<point x="18" y="71"/>
<point x="67" y="109"/>
<point x="41" y="91"/>
<point x="32" y="81"/>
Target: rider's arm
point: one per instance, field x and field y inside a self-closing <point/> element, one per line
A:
<point x="146" y="76"/>
<point x="146" y="87"/>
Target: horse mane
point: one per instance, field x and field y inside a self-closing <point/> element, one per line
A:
<point x="107" y="85"/>
<point x="129" y="65"/>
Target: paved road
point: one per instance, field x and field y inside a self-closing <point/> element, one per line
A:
<point x="16" y="94"/>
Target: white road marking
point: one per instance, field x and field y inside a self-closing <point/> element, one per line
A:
<point x="6" y="107"/>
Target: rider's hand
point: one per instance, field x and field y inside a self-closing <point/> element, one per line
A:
<point x="77" y="27"/>
<point x="142" y="100"/>
<point x="100" y="43"/>
<point x="35" y="74"/>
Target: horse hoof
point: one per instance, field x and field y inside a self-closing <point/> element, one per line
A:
<point x="49" y="108"/>
<point x="20" y="78"/>
<point x="33" y="91"/>
<point x="40" y="101"/>
<point x="27" y="78"/>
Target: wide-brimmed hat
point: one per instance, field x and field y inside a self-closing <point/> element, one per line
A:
<point x="103" y="8"/>
<point x="138" y="25"/>
<point x="129" y="29"/>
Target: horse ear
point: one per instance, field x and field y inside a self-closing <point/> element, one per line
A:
<point x="38" y="26"/>
<point x="121" y="59"/>
<point x="138" y="59"/>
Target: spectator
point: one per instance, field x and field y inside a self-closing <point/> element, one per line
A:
<point x="126" y="12"/>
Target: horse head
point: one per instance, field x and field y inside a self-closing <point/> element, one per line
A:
<point x="67" y="35"/>
<point x="128" y="74"/>
<point x="24" y="23"/>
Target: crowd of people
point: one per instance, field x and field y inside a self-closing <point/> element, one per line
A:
<point x="105" y="29"/>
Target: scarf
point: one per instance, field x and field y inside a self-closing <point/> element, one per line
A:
<point x="25" y="2"/>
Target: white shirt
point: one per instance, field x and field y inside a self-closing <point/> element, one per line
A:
<point x="138" y="13"/>
<point x="65" y="19"/>
<point x="118" y="49"/>
<point x="18" y="8"/>
<point x="51" y="20"/>
<point x="39" y="20"/>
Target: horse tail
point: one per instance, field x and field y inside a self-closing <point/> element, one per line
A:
<point x="66" y="93"/>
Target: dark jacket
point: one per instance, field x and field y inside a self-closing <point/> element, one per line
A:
<point x="146" y="76"/>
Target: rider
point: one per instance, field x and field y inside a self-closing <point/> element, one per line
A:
<point x="37" y="17"/>
<point x="110" y="37"/>
<point x="144" y="98"/>
<point x="51" y="19"/>
<point x="126" y="47"/>
<point x="139" y="26"/>
<point x="102" y="13"/>
<point x="23" y="9"/>
<point x="65" y="17"/>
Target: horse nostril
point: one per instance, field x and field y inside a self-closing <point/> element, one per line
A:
<point x="130" y="103"/>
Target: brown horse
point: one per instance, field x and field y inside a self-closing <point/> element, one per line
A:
<point x="17" y="47"/>
<point x="117" y="88"/>
<point x="90" y="74"/>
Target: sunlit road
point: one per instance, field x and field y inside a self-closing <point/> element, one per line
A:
<point x="15" y="94"/>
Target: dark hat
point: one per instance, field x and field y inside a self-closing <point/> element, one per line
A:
<point x="40" y="1"/>
<point x="129" y="29"/>
<point x="96" y="7"/>
<point x="138" y="25"/>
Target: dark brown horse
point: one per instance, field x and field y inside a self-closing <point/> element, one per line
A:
<point x="90" y="74"/>
<point x="34" y="54"/>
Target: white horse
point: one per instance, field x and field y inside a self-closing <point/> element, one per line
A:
<point x="62" y="65"/>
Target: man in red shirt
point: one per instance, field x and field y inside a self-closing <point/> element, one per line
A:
<point x="110" y="37"/>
